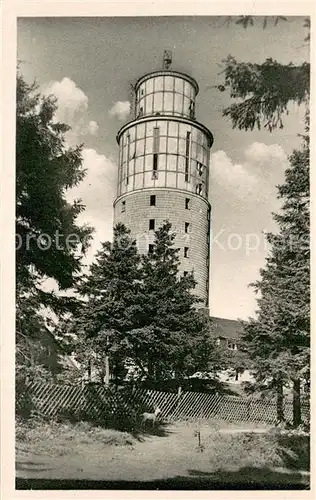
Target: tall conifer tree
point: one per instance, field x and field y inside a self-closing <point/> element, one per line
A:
<point x="109" y="310"/>
<point x="49" y="241"/>
<point x="139" y="310"/>
<point x="172" y="336"/>
<point x="278" y="339"/>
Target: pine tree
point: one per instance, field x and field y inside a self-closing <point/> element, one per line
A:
<point x="140" y="312"/>
<point x="109" y="310"/>
<point x="278" y="339"/>
<point x="172" y="339"/>
<point x="45" y="169"/>
<point x="49" y="241"/>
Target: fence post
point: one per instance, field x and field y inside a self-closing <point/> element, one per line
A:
<point x="179" y="396"/>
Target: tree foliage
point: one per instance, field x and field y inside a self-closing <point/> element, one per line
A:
<point x="246" y="21"/>
<point x="172" y="335"/>
<point x="262" y="92"/>
<point x="278" y="339"/>
<point x="45" y="168"/>
<point x="109" y="310"/>
<point x="49" y="241"/>
<point x="140" y="312"/>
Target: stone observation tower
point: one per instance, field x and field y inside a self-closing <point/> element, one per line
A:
<point x="164" y="170"/>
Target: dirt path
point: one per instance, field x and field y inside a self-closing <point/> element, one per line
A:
<point x="169" y="454"/>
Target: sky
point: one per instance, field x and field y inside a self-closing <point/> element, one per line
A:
<point x="89" y="64"/>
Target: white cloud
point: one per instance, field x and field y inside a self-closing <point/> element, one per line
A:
<point x="262" y="168"/>
<point x="97" y="191"/>
<point x="243" y="194"/>
<point x="226" y="173"/>
<point x="120" y="110"/>
<point x="71" y="99"/>
<point x="93" y="127"/>
<point x="259" y="152"/>
<point x="72" y="108"/>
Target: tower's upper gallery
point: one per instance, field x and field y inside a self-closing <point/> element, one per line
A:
<point x="166" y="92"/>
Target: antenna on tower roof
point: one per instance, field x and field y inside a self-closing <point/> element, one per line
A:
<point x="167" y="59"/>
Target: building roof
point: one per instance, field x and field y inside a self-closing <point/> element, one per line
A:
<point x="226" y="328"/>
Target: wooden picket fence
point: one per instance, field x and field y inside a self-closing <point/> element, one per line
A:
<point x="96" y="402"/>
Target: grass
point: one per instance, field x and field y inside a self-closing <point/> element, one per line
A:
<point x="226" y="451"/>
<point x="55" y="438"/>
<point x="81" y="451"/>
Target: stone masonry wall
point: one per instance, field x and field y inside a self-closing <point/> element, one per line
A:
<point x="136" y="213"/>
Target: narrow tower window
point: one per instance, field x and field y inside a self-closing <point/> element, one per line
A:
<point x="187" y="203"/>
<point x="155" y="152"/>
<point x="186" y="251"/>
<point x="153" y="200"/>
<point x="123" y="206"/>
<point x="152" y="224"/>
<point x="156" y="140"/>
<point x="186" y="227"/>
<point x="185" y="273"/>
<point x="155" y="166"/>
<point x="199" y="188"/>
<point x="150" y="248"/>
<point x="187" y="156"/>
<point x="128" y="138"/>
<point x="192" y="109"/>
<point x="200" y="168"/>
